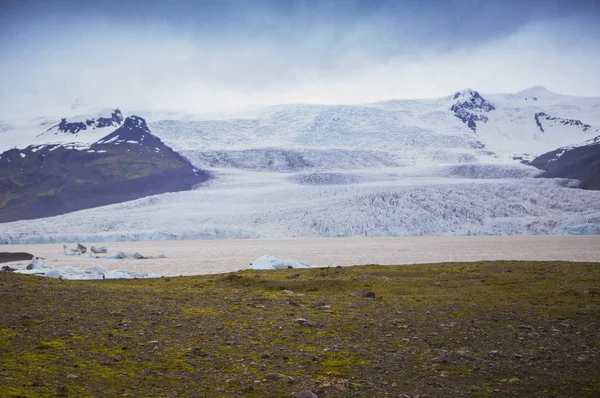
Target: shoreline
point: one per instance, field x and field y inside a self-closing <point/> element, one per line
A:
<point x="203" y="257"/>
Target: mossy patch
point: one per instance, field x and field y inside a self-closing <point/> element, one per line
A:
<point x="464" y="329"/>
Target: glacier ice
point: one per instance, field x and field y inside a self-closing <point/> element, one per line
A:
<point x="390" y="202"/>
<point x="328" y="179"/>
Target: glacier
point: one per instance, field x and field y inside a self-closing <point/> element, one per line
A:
<point x="409" y="201"/>
<point x="445" y="166"/>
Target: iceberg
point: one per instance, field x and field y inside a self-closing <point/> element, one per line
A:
<point x="269" y="262"/>
<point x="136" y="255"/>
<point x="70" y="252"/>
<point x="97" y="250"/>
<point x="37" y="267"/>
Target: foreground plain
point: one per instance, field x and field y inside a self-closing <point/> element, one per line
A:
<point x="456" y="329"/>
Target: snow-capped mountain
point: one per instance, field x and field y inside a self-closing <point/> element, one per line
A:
<point x="48" y="179"/>
<point x="83" y="128"/>
<point x="451" y="165"/>
<point x="464" y="126"/>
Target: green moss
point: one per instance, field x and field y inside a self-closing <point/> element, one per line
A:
<point x="210" y="335"/>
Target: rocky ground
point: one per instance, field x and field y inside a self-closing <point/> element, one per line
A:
<point x="461" y="329"/>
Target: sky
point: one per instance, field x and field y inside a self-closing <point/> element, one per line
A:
<point x="221" y="55"/>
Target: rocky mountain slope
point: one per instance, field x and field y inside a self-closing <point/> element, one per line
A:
<point x="46" y="180"/>
<point x="581" y="162"/>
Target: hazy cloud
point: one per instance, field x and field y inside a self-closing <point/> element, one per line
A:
<point x="222" y="55"/>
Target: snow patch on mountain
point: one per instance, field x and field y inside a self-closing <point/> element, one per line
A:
<point x="133" y="131"/>
<point x="82" y="129"/>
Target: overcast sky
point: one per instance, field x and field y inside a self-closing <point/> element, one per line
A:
<point x="227" y="55"/>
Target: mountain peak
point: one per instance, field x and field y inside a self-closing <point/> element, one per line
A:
<point x="134" y="122"/>
<point x="470" y="107"/>
<point x="133" y="131"/>
<point x="74" y="127"/>
<point x="535" y="91"/>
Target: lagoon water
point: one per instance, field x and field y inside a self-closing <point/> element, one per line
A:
<point x="219" y="256"/>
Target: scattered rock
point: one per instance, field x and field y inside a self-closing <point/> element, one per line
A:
<point x="286" y="292"/>
<point x="451" y="356"/>
<point x="365" y="294"/>
<point x="304" y="322"/>
<point x="305" y="394"/>
<point x="304" y="356"/>
<point x="197" y="352"/>
<point x="288" y="380"/>
<point x="318" y="304"/>
<point x="266" y="355"/>
<point x="499" y="354"/>
<point x="274" y="376"/>
<point x="337" y="384"/>
<point x="71" y="376"/>
<point x="525" y="327"/>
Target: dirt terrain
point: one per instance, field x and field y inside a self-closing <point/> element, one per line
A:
<point x="456" y="329"/>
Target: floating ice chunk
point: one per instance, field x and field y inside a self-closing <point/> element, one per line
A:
<point x="92" y="273"/>
<point x="96" y="269"/>
<point x="119" y="275"/>
<point x="270" y="262"/>
<point x="101" y="249"/>
<point x="54" y="273"/>
<point x="38" y="271"/>
<point x="136" y="255"/>
<point x="37" y="263"/>
<point x="70" y="252"/>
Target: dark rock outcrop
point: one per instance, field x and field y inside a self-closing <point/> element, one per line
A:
<point x="471" y="107"/>
<point x="579" y="163"/>
<point x="115" y="120"/>
<point x="541" y="116"/>
<point x="130" y="163"/>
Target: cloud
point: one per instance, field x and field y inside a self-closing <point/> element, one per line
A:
<point x="227" y="55"/>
